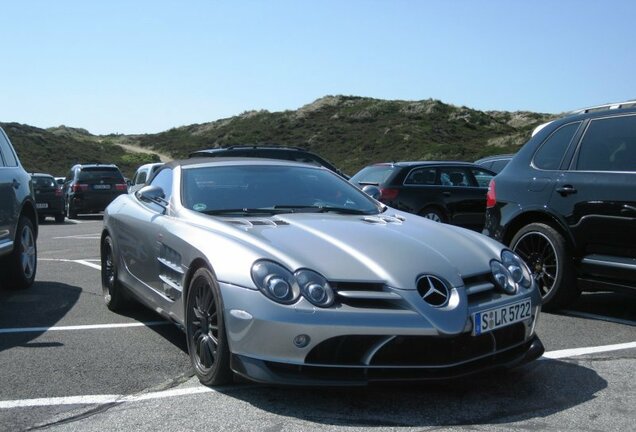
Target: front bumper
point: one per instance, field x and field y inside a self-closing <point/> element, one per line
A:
<point x="310" y="375"/>
<point x="302" y="344"/>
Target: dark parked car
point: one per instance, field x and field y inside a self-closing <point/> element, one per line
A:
<point x="89" y="188"/>
<point x="49" y="198"/>
<point x="495" y="163"/>
<point x="18" y="220"/>
<point x="296" y="154"/>
<point x="566" y="203"/>
<point x="450" y="192"/>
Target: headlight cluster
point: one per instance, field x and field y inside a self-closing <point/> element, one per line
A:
<point x="511" y="272"/>
<point x="280" y="285"/>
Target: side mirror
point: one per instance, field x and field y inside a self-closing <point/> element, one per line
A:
<point x="373" y="191"/>
<point x="153" y="194"/>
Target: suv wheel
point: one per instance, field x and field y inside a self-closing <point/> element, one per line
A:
<point x="22" y="263"/>
<point x="433" y="214"/>
<point x="545" y="251"/>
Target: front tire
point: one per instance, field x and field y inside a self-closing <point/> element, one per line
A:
<point x="59" y="218"/>
<point x="205" y="330"/>
<point x="21" y="264"/>
<point x="114" y="293"/>
<point x="545" y="251"/>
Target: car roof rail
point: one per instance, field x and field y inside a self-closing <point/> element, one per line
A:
<point x="609" y="106"/>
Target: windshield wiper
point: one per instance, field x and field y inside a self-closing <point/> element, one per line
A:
<point x="320" y="209"/>
<point x="243" y="211"/>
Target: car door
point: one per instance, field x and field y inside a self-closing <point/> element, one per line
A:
<point x="464" y="199"/>
<point x="9" y="203"/>
<point x="139" y="237"/>
<point x="596" y="194"/>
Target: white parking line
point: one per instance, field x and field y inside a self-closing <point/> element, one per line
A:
<point x="81" y="327"/>
<point x="578" y="314"/>
<point x="106" y="399"/>
<point x="82" y="262"/>
<point x="81" y="237"/>
<point x="589" y="350"/>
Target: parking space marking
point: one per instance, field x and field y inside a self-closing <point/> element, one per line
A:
<point x="578" y="314"/>
<point x="81" y="327"/>
<point x="107" y="399"/>
<point x="79" y="261"/>
<point x="588" y="350"/>
<point x="96" y="236"/>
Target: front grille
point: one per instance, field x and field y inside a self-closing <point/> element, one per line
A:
<point x="414" y="351"/>
<point x="366" y="295"/>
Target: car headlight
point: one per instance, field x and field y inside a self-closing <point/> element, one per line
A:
<point x="275" y="281"/>
<point x="280" y="285"/>
<point x="314" y="288"/>
<point x="517" y="268"/>
<point x="511" y="273"/>
<point x="502" y="277"/>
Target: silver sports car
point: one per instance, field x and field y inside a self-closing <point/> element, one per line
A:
<point x="285" y="273"/>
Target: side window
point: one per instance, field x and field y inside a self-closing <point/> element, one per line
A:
<point x="163" y="179"/>
<point x="140" y="177"/>
<point x="421" y="176"/>
<point x="482" y="177"/>
<point x="450" y="176"/>
<point x="7" y="152"/>
<point x="498" y="165"/>
<point x="550" y="154"/>
<point x="609" y="145"/>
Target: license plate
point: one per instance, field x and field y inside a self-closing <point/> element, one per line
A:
<point x="101" y="187"/>
<point x="42" y="205"/>
<point x="489" y="320"/>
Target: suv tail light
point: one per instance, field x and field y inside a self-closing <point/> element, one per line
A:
<point x="77" y="187"/>
<point x="491" y="196"/>
<point x="388" y="194"/>
<point x="58" y="192"/>
<point x="121" y="187"/>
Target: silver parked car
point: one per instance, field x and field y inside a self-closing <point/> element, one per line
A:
<point x="285" y="273"/>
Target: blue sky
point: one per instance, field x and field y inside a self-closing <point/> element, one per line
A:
<point x="145" y="66"/>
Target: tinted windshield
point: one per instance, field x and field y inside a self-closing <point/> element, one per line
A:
<point x="97" y="174"/>
<point x="280" y="188"/>
<point x="374" y="174"/>
<point x="43" y="182"/>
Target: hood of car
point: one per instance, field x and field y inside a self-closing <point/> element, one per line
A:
<point x="394" y="250"/>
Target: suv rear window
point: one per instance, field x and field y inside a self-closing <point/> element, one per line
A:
<point x="97" y="174"/>
<point x="43" y="182"/>
<point x="375" y="174"/>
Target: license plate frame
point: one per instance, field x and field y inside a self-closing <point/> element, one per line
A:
<point x="42" y="205"/>
<point x="495" y="318"/>
<point x="102" y="187"/>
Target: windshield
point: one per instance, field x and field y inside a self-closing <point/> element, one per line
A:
<point x="270" y="189"/>
<point x="374" y="174"/>
<point x="43" y="182"/>
<point x="97" y="174"/>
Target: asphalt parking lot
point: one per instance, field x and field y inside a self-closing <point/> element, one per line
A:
<point x="68" y="363"/>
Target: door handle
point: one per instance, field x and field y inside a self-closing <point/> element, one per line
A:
<point x="16" y="184"/>
<point x="566" y="190"/>
<point x="446" y="193"/>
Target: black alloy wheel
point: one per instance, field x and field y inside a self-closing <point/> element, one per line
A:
<point x="433" y="214"/>
<point x="545" y="251"/>
<point x="205" y="330"/>
<point x="115" y="297"/>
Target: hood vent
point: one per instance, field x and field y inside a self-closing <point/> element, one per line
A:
<point x="249" y="223"/>
<point x="383" y="220"/>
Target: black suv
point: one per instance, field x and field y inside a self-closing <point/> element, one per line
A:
<point x="270" y="152"/>
<point x="450" y="192"/>
<point x="566" y="203"/>
<point x="89" y="188"/>
<point x="18" y="220"/>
